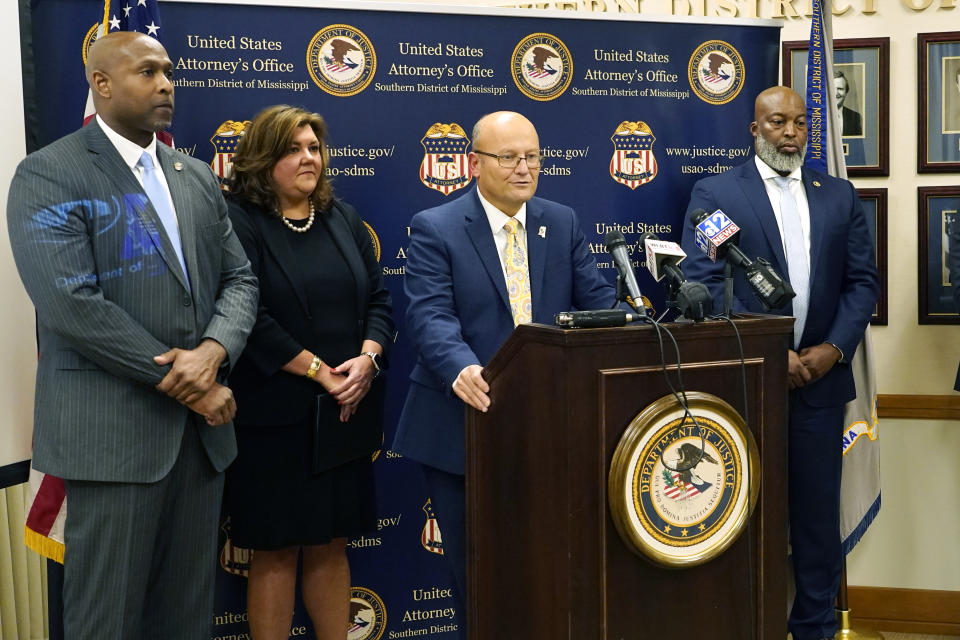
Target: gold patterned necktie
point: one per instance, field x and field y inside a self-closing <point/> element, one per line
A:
<point x="518" y="275"/>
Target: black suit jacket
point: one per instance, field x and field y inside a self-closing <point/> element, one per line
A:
<point x="953" y="264"/>
<point x="852" y="122"/>
<point x="265" y="394"/>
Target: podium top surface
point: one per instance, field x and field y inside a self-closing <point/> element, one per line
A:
<point x="638" y="332"/>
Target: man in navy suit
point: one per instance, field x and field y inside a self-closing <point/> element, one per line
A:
<point x="460" y="310"/>
<point x="811" y="228"/>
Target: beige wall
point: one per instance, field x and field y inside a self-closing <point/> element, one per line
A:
<point x="17" y="343"/>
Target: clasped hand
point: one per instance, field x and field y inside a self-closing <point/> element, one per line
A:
<point x="192" y="381"/>
<point x="811" y="364"/>
<point x="357" y="375"/>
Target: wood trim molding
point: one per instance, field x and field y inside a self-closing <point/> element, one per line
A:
<point x="919" y="407"/>
<point x="906" y="610"/>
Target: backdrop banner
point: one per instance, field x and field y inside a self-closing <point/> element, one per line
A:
<point x="630" y="114"/>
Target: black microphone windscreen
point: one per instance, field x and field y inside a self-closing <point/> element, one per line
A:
<point x="615" y="239"/>
<point x="648" y="235"/>
<point x="697" y="216"/>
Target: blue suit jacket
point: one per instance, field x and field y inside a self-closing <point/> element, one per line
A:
<point x="843" y="276"/>
<point x="459" y="312"/>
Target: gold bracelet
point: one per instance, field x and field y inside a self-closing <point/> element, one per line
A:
<point x="314" y="367"/>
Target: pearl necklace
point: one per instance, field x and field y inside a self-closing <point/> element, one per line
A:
<point x="305" y="227"/>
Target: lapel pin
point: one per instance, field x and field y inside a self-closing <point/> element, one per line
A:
<point x="178" y="166"/>
<point x="542" y="232"/>
<point x="816" y="183"/>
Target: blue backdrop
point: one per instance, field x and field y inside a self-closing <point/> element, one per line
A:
<point x="630" y="113"/>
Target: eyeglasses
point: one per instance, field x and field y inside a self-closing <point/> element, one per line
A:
<point x="512" y="161"/>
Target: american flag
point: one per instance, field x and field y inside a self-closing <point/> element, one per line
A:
<point x="680" y="490"/>
<point x="48" y="505"/>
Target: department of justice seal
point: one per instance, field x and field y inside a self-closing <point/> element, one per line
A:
<point x="716" y="72"/>
<point x="368" y="615"/>
<point x="541" y="66"/>
<point x="376" y="250"/>
<point x="633" y="162"/>
<point x="88" y="39"/>
<point x="341" y="60"/>
<point x="681" y="491"/>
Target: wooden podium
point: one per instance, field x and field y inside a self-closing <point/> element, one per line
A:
<point x="545" y="561"/>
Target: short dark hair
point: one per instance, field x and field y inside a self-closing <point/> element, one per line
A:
<point x="264" y="142"/>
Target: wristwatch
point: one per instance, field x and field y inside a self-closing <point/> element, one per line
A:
<point x="375" y="358"/>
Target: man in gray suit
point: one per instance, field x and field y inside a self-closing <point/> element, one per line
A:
<point x="143" y="297"/>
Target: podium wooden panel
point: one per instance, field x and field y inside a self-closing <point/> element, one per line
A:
<point x="545" y="560"/>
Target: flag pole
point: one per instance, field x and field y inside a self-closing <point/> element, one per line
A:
<point x="825" y="153"/>
<point x="847" y="631"/>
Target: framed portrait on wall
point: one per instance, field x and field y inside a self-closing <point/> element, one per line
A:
<point x="938" y="210"/>
<point x="874" y="203"/>
<point x="861" y="89"/>
<point x="938" y="100"/>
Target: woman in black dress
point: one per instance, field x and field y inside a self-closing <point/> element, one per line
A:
<point x="309" y="403"/>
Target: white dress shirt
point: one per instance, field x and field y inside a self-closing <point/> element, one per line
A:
<point x="796" y="189"/>
<point x="130" y="151"/>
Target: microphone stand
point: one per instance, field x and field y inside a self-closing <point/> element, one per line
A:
<point x="727" y="288"/>
<point x="621" y="293"/>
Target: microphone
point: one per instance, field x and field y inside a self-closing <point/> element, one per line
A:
<point x="717" y="237"/>
<point x="663" y="258"/>
<point x="617" y="247"/>
<point x="693" y="299"/>
<point x="586" y="319"/>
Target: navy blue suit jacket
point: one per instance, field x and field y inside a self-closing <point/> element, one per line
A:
<point x="843" y="276"/>
<point x="459" y="312"/>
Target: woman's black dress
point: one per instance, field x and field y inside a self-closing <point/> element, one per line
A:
<point x="272" y="496"/>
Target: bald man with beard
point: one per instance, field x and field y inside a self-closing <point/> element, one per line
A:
<point x="143" y="298"/>
<point x="812" y="229"/>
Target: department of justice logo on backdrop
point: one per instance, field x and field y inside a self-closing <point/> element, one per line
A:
<point x="341" y="60"/>
<point x="716" y="72"/>
<point x="88" y="40"/>
<point x="682" y="486"/>
<point x="633" y="162"/>
<point x="445" y="166"/>
<point x="376" y="250"/>
<point x="368" y="615"/>
<point x="430" y="538"/>
<point x="541" y="66"/>
<point x="225" y="142"/>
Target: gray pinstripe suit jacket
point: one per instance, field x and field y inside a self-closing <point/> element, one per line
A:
<point x="110" y="294"/>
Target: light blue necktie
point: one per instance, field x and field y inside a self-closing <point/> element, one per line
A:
<point x="797" y="258"/>
<point x="161" y="204"/>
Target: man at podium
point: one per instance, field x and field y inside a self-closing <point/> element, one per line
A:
<point x="811" y="228"/>
<point x="476" y="268"/>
